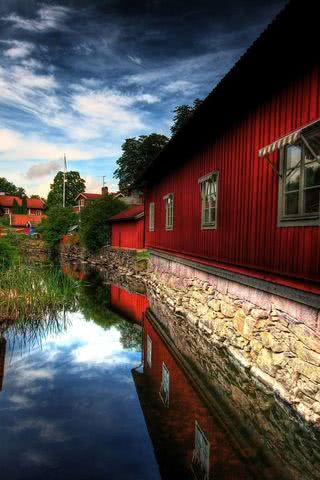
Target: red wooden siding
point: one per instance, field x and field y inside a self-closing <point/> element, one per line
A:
<point x="129" y="234"/>
<point x="130" y="305"/>
<point x="247" y="234"/>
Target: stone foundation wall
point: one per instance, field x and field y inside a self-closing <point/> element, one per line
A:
<point x="120" y="260"/>
<point x="277" y="341"/>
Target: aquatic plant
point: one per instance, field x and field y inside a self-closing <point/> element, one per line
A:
<point x="35" y="292"/>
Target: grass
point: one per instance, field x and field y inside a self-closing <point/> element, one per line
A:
<point x="34" y="292"/>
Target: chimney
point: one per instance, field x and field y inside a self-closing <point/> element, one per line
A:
<point x="104" y="190"/>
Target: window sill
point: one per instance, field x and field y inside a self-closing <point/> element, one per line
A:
<point x="208" y="227"/>
<point x="299" y="222"/>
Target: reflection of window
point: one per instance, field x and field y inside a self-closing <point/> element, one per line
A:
<point x="149" y="351"/>
<point x="151" y="217"/>
<point x="201" y="455"/>
<point x="300" y="183"/>
<point x="208" y="189"/>
<point x="165" y="385"/>
<point x="169" y="211"/>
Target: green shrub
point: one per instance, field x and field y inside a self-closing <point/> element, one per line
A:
<point x="94" y="227"/>
<point x="56" y="226"/>
<point x="8" y="253"/>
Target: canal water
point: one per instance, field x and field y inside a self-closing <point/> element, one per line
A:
<point x="98" y="392"/>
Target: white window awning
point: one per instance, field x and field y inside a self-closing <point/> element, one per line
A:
<point x="311" y="128"/>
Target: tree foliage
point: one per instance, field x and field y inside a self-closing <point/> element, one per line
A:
<point x="56" y="225"/>
<point x="94" y="228"/>
<point x="10" y="188"/>
<point x="182" y="113"/>
<point x="137" y="154"/>
<point x="74" y="185"/>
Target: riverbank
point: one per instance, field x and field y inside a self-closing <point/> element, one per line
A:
<point x="276" y="349"/>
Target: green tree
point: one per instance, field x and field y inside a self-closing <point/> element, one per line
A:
<point x="9" y="188"/>
<point x="94" y="227"/>
<point x="56" y="225"/>
<point x="182" y="113"/>
<point x="24" y="207"/>
<point x="137" y="154"/>
<point x="74" y="185"/>
<point x="16" y="208"/>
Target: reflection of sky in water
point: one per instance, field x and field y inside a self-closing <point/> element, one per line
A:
<point x="70" y="410"/>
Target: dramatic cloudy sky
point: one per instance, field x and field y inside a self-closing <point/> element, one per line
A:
<point x="80" y="76"/>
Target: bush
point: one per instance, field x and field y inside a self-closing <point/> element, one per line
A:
<point x="8" y="253"/>
<point x="94" y="227"/>
<point x="56" y="226"/>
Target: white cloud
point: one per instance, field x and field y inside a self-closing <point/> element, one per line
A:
<point x="48" y="18"/>
<point x="16" y="146"/>
<point x="147" y="98"/>
<point x="19" y="50"/>
<point x="135" y="59"/>
<point x="177" y="86"/>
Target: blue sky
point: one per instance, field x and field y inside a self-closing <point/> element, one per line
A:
<point x="80" y="76"/>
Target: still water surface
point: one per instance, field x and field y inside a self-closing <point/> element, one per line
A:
<point x="97" y="393"/>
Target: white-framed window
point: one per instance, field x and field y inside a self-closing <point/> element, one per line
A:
<point x="151" y="217"/>
<point x="299" y="188"/>
<point x="201" y="454"/>
<point x="81" y="203"/>
<point x="169" y="205"/>
<point x="149" y="351"/>
<point x="165" y="385"/>
<point x="39" y="213"/>
<point x="209" y="200"/>
<point x="7" y="211"/>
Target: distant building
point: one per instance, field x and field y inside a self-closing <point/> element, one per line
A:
<point x="35" y="206"/>
<point x="127" y="228"/>
<point x="83" y="198"/>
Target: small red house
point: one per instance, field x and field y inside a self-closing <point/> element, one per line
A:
<point x="35" y="206"/>
<point x="237" y="190"/>
<point x="83" y="198"/>
<point x="127" y="228"/>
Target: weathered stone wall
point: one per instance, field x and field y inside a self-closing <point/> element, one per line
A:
<point x="118" y="260"/>
<point x="250" y="405"/>
<point x="33" y="250"/>
<point x="276" y="340"/>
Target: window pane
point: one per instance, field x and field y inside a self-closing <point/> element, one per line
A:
<point x="312" y="174"/>
<point x="292" y="203"/>
<point x="293" y="180"/>
<point x="293" y="156"/>
<point x="312" y="200"/>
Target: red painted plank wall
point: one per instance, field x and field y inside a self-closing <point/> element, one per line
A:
<point x="128" y="234"/>
<point x="247" y="233"/>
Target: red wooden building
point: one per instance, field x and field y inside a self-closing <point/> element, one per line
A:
<point x="35" y="206"/>
<point x="127" y="228"/>
<point x="237" y="189"/>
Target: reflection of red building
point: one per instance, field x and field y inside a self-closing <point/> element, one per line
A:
<point x="188" y="441"/>
<point x="128" y="228"/>
<point x="3" y="344"/>
<point x="74" y="272"/>
<point x="131" y="305"/>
